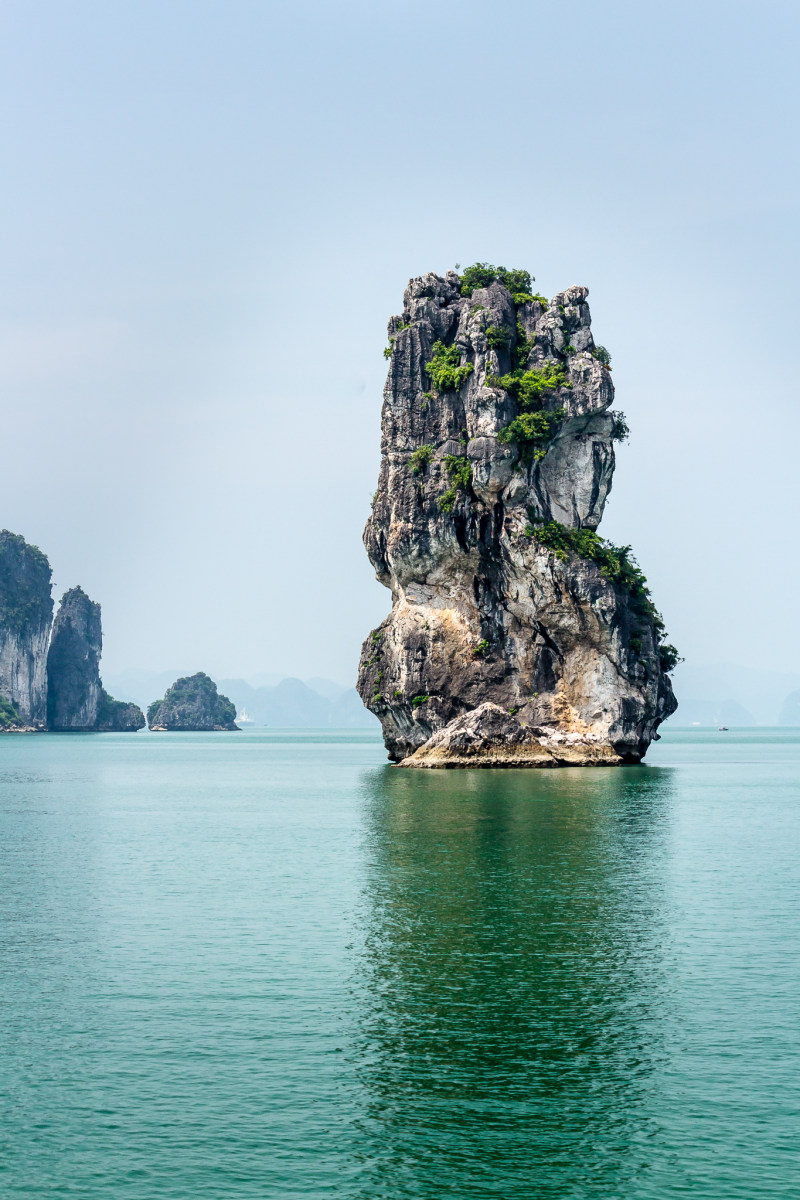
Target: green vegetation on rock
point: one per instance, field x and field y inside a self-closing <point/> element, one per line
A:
<point x="460" y="472"/>
<point x="498" y="336"/>
<point x="9" y="715"/>
<point x="531" y="431"/>
<point x="118" y="716"/>
<point x="668" y="657"/>
<point x="192" y="703"/>
<point x="616" y="564"/>
<point x="620" y="429"/>
<point x="522" y="348"/>
<point x="444" y="370"/>
<point x="481" y="275"/>
<point x="420" y="459"/>
<point x="25" y="575"/>
<point x="536" y="425"/>
<point x="530" y="388"/>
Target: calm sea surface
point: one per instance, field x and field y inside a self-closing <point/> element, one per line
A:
<point x="266" y="965"/>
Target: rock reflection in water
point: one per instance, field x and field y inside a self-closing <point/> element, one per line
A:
<point x="513" y="980"/>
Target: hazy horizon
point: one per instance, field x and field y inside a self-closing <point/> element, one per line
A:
<point x="705" y="689"/>
<point x="214" y="212"/>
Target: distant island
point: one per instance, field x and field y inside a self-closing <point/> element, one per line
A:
<point x="192" y="704"/>
<point x="517" y="636"/>
<point x="264" y="700"/>
<point x="50" y="670"/>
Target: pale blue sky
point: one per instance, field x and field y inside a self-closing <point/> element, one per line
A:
<point x="210" y="210"/>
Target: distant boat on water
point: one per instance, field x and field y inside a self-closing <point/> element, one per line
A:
<point x="722" y="729"/>
<point x="244" y="718"/>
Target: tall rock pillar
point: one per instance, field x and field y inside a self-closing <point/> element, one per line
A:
<point x="517" y="635"/>
<point x="73" y="664"/>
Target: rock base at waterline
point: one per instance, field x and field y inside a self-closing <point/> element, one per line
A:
<point x="490" y="737"/>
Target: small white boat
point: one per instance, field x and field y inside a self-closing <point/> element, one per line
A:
<point x="244" y="718"/>
<point x="722" y="729"/>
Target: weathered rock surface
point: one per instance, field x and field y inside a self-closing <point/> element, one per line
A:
<point x="192" y="704"/>
<point x="488" y="736"/>
<point x="26" y="610"/>
<point x="484" y="609"/>
<point x="76" y="699"/>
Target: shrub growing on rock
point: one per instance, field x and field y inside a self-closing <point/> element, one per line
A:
<point x="420" y="459"/>
<point x="460" y="472"/>
<point x="531" y="431"/>
<point x="444" y="370"/>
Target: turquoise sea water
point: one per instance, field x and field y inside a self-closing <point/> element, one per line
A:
<point x="265" y="965"/>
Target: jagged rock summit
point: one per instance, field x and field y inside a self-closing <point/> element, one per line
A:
<point x="517" y="636"/>
<point x="192" y="704"/>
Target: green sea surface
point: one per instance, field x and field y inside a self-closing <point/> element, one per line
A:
<point x="268" y="965"/>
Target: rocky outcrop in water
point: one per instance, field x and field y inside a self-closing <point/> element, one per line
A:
<point x="73" y="663"/>
<point x="192" y="704"/>
<point x="26" y="610"/>
<point x="517" y="636"/>
<point x="488" y="736"/>
<point x="50" y="678"/>
<point x="118" y="716"/>
<point x="76" y="699"/>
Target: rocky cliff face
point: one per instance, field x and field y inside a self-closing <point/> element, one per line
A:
<point x="497" y="458"/>
<point x="76" y="699"/>
<point x="50" y="679"/>
<point x="26" y="610"/>
<point x="192" y="704"/>
<point x="73" y="664"/>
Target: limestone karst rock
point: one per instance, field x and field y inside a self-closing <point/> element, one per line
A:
<point x="488" y="736"/>
<point x="73" y="663"/>
<point x="9" y="716"/>
<point x="76" y="699"/>
<point x="50" y="678"/>
<point x="192" y="704"/>
<point x="118" y="716"/>
<point x="497" y="455"/>
<point x="26" y="610"/>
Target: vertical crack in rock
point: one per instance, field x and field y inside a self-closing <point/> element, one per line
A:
<point x="496" y="464"/>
